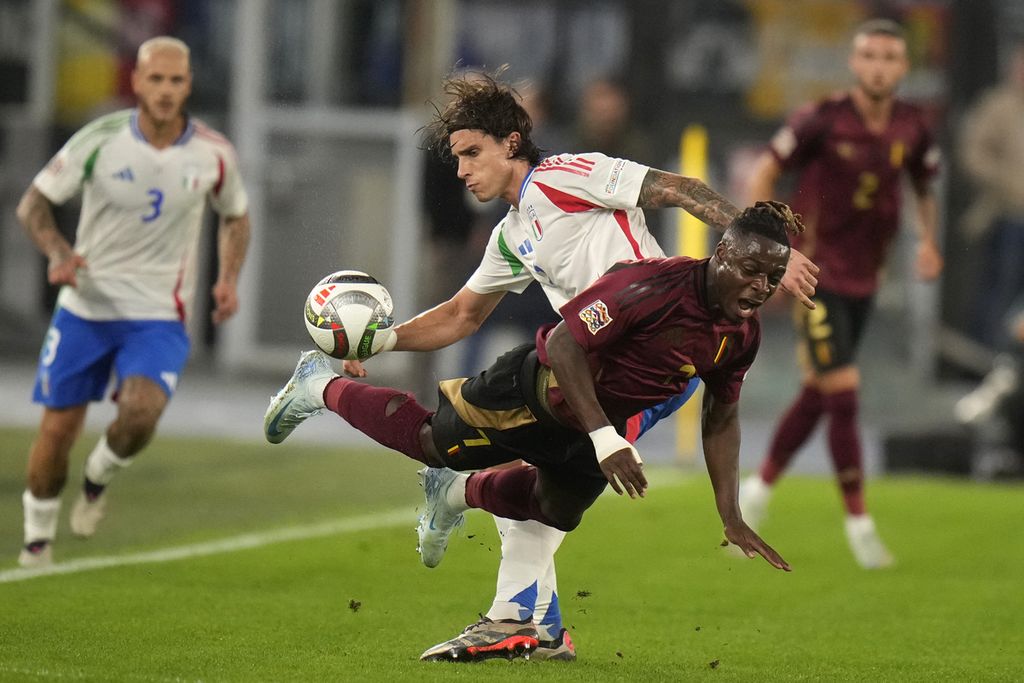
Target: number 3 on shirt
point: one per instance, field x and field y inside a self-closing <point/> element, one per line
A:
<point x="155" y="206"/>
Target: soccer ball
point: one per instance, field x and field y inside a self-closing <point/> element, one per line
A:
<point x="348" y="315"/>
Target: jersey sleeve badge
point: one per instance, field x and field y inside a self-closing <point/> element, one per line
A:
<point x="595" y="316"/>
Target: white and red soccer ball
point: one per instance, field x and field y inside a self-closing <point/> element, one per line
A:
<point x="348" y="315"/>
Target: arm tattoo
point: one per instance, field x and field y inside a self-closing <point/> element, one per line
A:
<point x="661" y="190"/>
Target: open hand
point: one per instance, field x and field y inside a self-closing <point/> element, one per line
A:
<point x="800" y="279"/>
<point x="742" y="536"/>
<point x="626" y="466"/>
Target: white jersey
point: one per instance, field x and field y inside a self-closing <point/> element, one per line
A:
<point x="142" y="211"/>
<point x="577" y="216"/>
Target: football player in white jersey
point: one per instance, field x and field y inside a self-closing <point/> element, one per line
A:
<point x="572" y="216"/>
<point x="145" y="176"/>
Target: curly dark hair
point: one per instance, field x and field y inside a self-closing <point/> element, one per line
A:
<point x="771" y="219"/>
<point x="480" y="101"/>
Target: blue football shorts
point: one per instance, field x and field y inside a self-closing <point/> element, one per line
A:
<point x="78" y="357"/>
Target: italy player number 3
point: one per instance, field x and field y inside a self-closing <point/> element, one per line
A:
<point x="155" y="205"/>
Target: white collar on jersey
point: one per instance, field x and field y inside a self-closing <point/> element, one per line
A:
<point x="186" y="133"/>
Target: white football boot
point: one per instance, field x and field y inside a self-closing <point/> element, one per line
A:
<point x="867" y="547"/>
<point x="36" y="554"/>
<point x="86" y="514"/>
<point x="439" y="518"/>
<point x="754" y="498"/>
<point x="300" y="398"/>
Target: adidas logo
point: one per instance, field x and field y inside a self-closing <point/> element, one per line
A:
<point x="125" y="174"/>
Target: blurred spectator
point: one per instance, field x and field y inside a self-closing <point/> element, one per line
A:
<point x="992" y="153"/>
<point x="604" y="123"/>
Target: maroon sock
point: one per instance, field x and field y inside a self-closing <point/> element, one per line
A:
<point x="365" y="408"/>
<point x="794" y="428"/>
<point x="844" y="445"/>
<point x="506" y="493"/>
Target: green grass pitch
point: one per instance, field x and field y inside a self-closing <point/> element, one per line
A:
<point x="646" y="590"/>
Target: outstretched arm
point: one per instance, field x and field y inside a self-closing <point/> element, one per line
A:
<point x="661" y="189"/>
<point x="616" y="456"/>
<point x="720" y="431"/>
<point x="232" y="243"/>
<point x="440" y="326"/>
<point x="35" y="213"/>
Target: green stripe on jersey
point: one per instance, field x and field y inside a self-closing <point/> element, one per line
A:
<point x="513" y="261"/>
<point x="89" y="164"/>
<point x="100" y="129"/>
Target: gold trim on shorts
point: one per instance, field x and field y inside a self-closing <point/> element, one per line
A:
<point x="475" y="416"/>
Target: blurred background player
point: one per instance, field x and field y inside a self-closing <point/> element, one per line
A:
<point x="145" y="175"/>
<point x="571" y="218"/>
<point x="850" y="151"/>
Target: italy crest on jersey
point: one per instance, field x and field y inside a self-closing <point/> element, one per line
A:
<point x="190" y="177"/>
<point x="596" y="316"/>
<point x="538" y="231"/>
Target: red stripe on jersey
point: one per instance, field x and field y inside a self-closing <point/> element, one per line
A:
<point x="567" y="159"/>
<point x="567" y="169"/>
<point x="623" y="220"/>
<point x="204" y="131"/>
<point x="178" y="303"/>
<point x="220" y="175"/>
<point x="633" y="425"/>
<point x="563" y="200"/>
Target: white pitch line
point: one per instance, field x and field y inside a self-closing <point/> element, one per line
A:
<point x="225" y="545"/>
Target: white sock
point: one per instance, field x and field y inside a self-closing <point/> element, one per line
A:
<point x="318" y="385"/>
<point x="456" y="494"/>
<point x="40" y="517"/>
<point x="503" y="525"/>
<point x="102" y="464"/>
<point x="527" y="551"/>
<point x="548" y="614"/>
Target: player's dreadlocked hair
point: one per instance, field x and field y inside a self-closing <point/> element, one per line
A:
<point x="479" y="101"/>
<point x="770" y="219"/>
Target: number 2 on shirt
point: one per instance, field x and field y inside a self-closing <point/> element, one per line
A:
<point x="155" y="205"/>
<point x="864" y="197"/>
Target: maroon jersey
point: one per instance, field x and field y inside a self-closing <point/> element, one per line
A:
<point x="647" y="330"/>
<point x="849" y="185"/>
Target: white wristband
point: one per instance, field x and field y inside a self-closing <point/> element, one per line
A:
<point x="390" y="342"/>
<point x="607" y="442"/>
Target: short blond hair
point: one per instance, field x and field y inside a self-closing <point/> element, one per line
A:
<point x="161" y="43"/>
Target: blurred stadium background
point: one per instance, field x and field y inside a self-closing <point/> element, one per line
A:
<point x="323" y="100"/>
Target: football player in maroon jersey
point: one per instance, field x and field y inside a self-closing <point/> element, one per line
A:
<point x="633" y="339"/>
<point x="850" y="153"/>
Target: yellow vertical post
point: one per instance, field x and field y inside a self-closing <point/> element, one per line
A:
<point x="692" y="241"/>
